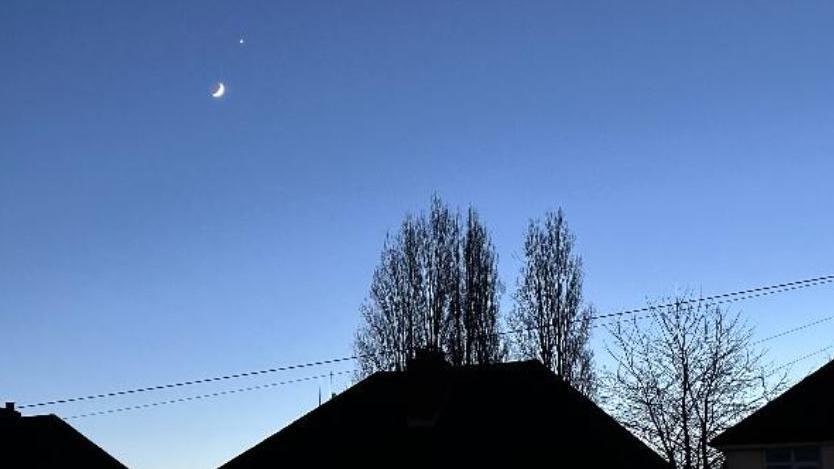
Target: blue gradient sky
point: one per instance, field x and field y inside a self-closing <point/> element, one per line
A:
<point x="149" y="233"/>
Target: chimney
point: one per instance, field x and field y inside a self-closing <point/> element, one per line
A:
<point x="428" y="387"/>
<point x="8" y="412"/>
<point x="427" y="361"/>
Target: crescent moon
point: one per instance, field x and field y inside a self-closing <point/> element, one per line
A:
<point x="220" y="91"/>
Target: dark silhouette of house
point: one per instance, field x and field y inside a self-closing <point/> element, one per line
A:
<point x="795" y="430"/>
<point x="46" y="441"/>
<point x="435" y="415"/>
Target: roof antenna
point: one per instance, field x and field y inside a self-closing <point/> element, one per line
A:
<point x="319" y="394"/>
<point x="332" y="393"/>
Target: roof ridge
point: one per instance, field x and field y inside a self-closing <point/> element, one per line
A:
<point x="794" y="394"/>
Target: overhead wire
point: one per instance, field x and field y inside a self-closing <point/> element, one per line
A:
<point x="206" y="396"/>
<point x="713" y="299"/>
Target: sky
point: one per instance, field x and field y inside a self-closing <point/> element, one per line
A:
<point x="150" y="233"/>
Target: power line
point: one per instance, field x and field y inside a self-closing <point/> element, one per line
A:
<point x="799" y="328"/>
<point x="804" y="357"/>
<point x="205" y="396"/>
<point x="339" y="373"/>
<point x="721" y="298"/>
<point x="714" y="300"/>
<point x="784" y="333"/>
<point x="192" y="382"/>
<point x="795" y="329"/>
<point x="766" y="339"/>
<point x="729" y="297"/>
<point x="812" y="371"/>
<point x="331" y="374"/>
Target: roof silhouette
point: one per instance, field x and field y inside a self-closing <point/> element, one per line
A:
<point x="46" y="441"/>
<point x="438" y="415"/>
<point x="803" y="413"/>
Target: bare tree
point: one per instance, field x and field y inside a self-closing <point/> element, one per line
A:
<point x="480" y="291"/>
<point x="550" y="319"/>
<point x="684" y="376"/>
<point x="393" y="314"/>
<point x="435" y="287"/>
<point x="441" y="265"/>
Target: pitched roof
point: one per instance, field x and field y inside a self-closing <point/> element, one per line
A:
<point x="437" y="415"/>
<point x="803" y="413"/>
<point x="46" y="441"/>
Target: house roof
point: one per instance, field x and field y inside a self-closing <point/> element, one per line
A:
<point x="439" y="414"/>
<point x="803" y="413"/>
<point x="46" y="441"/>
